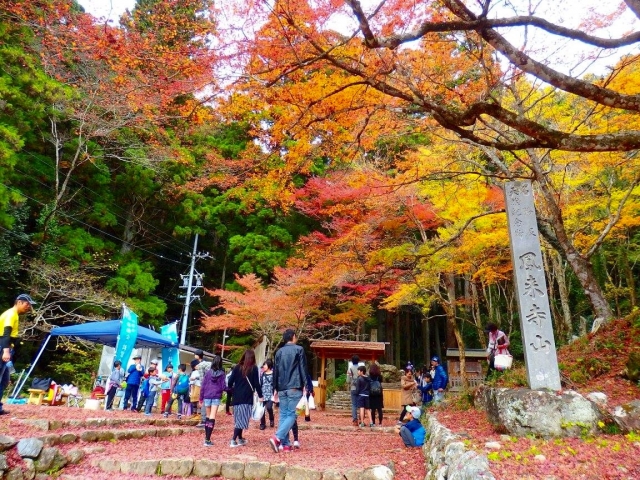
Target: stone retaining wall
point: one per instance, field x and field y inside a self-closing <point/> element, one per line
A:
<point x="238" y="470"/>
<point x="41" y="458"/>
<point x="447" y="457"/>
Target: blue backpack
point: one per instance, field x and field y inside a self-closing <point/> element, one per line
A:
<point x="145" y="387"/>
<point x="182" y="386"/>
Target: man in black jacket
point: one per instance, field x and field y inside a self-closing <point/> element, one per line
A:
<point x="289" y="377"/>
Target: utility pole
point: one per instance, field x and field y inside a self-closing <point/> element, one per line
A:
<point x="188" y="283"/>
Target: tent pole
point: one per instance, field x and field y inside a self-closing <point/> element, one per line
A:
<point x="33" y="365"/>
<point x="19" y="378"/>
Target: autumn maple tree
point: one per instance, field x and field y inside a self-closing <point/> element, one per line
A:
<point x="442" y="60"/>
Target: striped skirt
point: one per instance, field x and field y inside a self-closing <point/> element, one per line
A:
<point x="241" y="415"/>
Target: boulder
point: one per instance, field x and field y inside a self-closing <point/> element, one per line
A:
<point x="14" y="474"/>
<point x="627" y="416"/>
<point x="522" y="412"/>
<point x="447" y="458"/>
<point x="598" y="398"/>
<point x="68" y="438"/>
<point x="110" y="465"/>
<point x="179" y="467"/>
<point x="50" y="439"/>
<point x="332" y="475"/>
<point x="470" y="466"/>
<point x="29" y="471"/>
<point x="140" y="467"/>
<point x="75" y="455"/>
<point x="390" y="373"/>
<point x="255" y="470"/>
<point x="377" y="472"/>
<point x="205" y="468"/>
<point x="295" y="472"/>
<point x="3" y="463"/>
<point x="7" y="442"/>
<point x="278" y="471"/>
<point x="232" y="470"/>
<point x="45" y="459"/>
<point x="30" y="447"/>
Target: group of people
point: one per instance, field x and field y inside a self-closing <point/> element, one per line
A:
<point x="142" y="387"/>
<point x="281" y="382"/>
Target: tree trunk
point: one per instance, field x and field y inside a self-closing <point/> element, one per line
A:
<point x="449" y="306"/>
<point x="475" y="302"/>
<point x="563" y="292"/>
<point x="579" y="264"/>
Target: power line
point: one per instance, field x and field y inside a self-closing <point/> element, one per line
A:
<point x="28" y="257"/>
<point x="96" y="228"/>
<point x="149" y="226"/>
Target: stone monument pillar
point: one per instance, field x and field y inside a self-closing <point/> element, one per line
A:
<point x="539" y="345"/>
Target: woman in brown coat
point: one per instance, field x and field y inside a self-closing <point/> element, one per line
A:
<point x="408" y="384"/>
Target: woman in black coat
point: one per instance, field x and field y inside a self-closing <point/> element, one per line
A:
<point x="243" y="380"/>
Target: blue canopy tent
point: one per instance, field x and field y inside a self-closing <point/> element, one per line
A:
<point x="104" y="333"/>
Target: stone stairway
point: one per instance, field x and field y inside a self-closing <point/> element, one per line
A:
<point x="339" y="400"/>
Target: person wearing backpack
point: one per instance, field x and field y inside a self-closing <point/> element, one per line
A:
<point x="376" y="403"/>
<point x="363" y="388"/>
<point x="144" y="389"/>
<point x="153" y="385"/>
<point x="352" y="378"/>
<point x="180" y="391"/>
<point x="425" y="385"/>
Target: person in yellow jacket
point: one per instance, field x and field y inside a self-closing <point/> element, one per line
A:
<point x="8" y="335"/>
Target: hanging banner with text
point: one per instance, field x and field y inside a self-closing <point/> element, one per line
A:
<point x="170" y="354"/>
<point x="127" y="337"/>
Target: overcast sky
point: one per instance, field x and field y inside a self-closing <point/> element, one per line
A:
<point x="107" y="8"/>
<point x="561" y="53"/>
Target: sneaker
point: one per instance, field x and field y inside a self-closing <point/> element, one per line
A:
<point x="287" y="448"/>
<point x="165" y="415"/>
<point x="372" y="425"/>
<point x="229" y="413"/>
<point x="179" y="416"/>
<point x="361" y="425"/>
<point x="274" y="442"/>
<point x="262" y="427"/>
<point x="200" y="425"/>
<point x="208" y="443"/>
<point x="271" y="424"/>
<point x="4" y="412"/>
<point x="148" y="414"/>
<point x="296" y="444"/>
<point x="242" y="442"/>
<point x="234" y="444"/>
<point x="355" y="423"/>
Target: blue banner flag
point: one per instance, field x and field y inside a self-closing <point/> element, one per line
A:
<point x="170" y="354"/>
<point x="128" y="335"/>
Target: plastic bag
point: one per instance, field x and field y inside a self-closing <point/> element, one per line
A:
<point x="302" y="406"/>
<point x="312" y="403"/>
<point x="502" y="362"/>
<point x="258" y="409"/>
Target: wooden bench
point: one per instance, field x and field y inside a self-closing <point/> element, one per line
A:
<point x="36" y="396"/>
